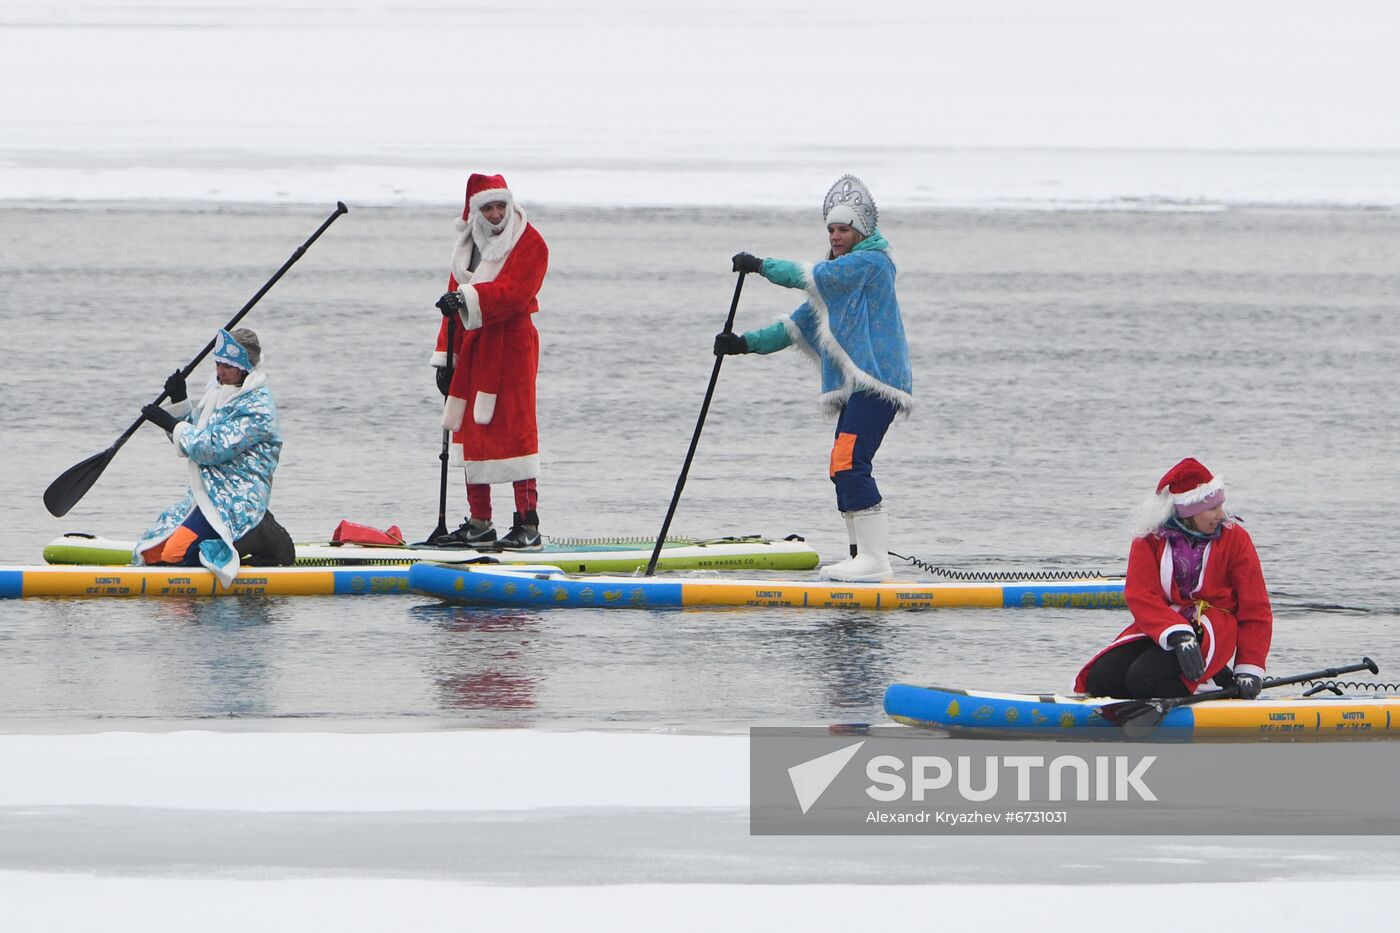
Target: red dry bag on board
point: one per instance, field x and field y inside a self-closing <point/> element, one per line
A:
<point x="355" y="533"/>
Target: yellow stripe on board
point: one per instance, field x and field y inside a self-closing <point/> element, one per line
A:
<point x="149" y="581"/>
<point x="1331" y="718"/>
<point x="837" y="596"/>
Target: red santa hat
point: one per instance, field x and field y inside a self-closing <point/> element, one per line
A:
<point x="483" y="189"/>
<point x="1191" y="488"/>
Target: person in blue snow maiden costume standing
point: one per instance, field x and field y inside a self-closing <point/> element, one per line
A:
<point x="850" y="324"/>
<point x="230" y="441"/>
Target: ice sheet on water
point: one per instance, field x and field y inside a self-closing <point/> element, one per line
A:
<point x="1007" y="104"/>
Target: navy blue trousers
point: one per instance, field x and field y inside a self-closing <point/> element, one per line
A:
<point x="859" y="433"/>
<point x="203" y="531"/>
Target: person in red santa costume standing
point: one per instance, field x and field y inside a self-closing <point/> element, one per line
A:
<point x="498" y="265"/>
<point x="1198" y="599"/>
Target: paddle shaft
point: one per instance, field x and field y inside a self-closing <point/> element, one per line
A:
<point x="1140" y="717"/>
<point x="1229" y="693"/>
<point x="340" y="208"/>
<point x="64" y="492"/>
<point x="441" y="528"/>
<point x="695" y="438"/>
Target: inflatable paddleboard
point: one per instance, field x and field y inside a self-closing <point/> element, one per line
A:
<point x="625" y="556"/>
<point x="1013" y="714"/>
<point x="551" y="586"/>
<point x="17" y="582"/>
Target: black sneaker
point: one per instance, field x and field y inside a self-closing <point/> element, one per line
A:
<point x="524" y="533"/>
<point x="471" y="533"/>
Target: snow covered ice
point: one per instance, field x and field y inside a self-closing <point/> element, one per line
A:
<point x="1007" y="102"/>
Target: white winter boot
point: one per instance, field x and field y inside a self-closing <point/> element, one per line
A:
<point x="851" y="531"/>
<point x="872" y="561"/>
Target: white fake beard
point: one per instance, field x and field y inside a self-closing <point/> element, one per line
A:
<point x="494" y="242"/>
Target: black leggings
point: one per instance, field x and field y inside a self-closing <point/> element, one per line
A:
<point x="1136" y="670"/>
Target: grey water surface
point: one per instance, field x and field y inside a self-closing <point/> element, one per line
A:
<point x="1062" y="362"/>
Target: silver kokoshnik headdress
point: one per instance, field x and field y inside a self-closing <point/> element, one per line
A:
<point x="849" y="202"/>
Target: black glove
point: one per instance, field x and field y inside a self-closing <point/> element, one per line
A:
<point x="160" y="417"/>
<point x="747" y="262"/>
<point x="1248" y="685"/>
<point x="729" y="343"/>
<point x="450" y="304"/>
<point x="175" y="387"/>
<point x="1188" y="654"/>
<point x="444" y="379"/>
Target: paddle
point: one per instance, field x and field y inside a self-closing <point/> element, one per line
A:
<point x="441" y="528"/>
<point x="1139" y="717"/>
<point x="695" y="438"/>
<point x="64" y="492"/>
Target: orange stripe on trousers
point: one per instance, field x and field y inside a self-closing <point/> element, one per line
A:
<point x="842" y="453"/>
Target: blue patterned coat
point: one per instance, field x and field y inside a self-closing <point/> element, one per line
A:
<point x="231" y="442"/>
<point x="850" y="323"/>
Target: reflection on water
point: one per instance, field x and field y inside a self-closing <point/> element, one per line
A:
<point x="485" y="659"/>
<point x="218" y="659"/>
<point x="854" y="657"/>
<point x="226" y="613"/>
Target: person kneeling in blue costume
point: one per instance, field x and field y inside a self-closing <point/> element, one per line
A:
<point x="849" y="324"/>
<point x="231" y="442"/>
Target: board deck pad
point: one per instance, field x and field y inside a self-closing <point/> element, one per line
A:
<point x="598" y="555"/>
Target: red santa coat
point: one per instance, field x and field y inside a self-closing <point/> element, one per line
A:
<point x="491" y="404"/>
<point x="1236" y="619"/>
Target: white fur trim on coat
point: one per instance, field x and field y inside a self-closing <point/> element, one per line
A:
<point x="453" y="408"/>
<point x="1250" y="669"/>
<point x="221" y="396"/>
<point x="471" y="314"/>
<point x="856" y="379"/>
<point x="499" y="471"/>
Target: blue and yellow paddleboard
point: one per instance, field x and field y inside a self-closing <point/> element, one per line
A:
<point x="1046" y="715"/>
<point x="550" y="586"/>
<point x="17" y="582"/>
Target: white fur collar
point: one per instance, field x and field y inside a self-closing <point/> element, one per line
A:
<point x="219" y="395"/>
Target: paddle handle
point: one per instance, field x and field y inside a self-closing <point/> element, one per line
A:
<point x="1366" y="664"/>
<point x="340" y="208"/>
<point x="1230" y="693"/>
<point x="695" y="437"/>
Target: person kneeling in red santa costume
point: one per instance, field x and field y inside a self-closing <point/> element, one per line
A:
<point x="1197" y="595"/>
<point x="498" y="265"/>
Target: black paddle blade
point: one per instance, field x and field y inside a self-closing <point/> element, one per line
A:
<point x="1135" y="717"/>
<point x="64" y="492"/>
